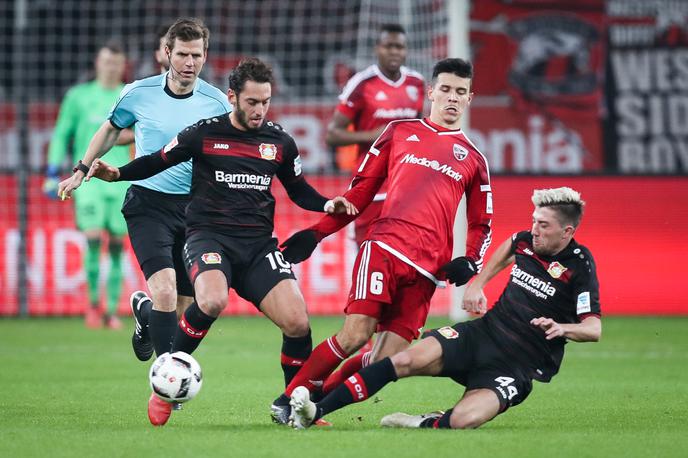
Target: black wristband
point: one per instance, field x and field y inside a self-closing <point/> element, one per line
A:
<point x="81" y="166"/>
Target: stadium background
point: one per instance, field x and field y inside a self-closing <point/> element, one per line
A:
<point x="590" y="95"/>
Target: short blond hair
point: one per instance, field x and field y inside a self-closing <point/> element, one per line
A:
<point x="567" y="203"/>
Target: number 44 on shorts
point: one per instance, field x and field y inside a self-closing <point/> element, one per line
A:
<point x="506" y="382"/>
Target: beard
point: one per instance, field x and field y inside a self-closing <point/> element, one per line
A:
<point x="242" y="119"/>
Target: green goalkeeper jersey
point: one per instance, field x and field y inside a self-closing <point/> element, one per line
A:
<point x="83" y="110"/>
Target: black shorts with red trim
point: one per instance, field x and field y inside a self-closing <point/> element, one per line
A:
<point x="252" y="265"/>
<point x="473" y="359"/>
<point x="157" y="230"/>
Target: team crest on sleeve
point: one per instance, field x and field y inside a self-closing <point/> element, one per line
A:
<point x="448" y="332"/>
<point x="211" y="258"/>
<point x="556" y="270"/>
<point x="460" y="153"/>
<point x="268" y="151"/>
<point x="174" y="142"/>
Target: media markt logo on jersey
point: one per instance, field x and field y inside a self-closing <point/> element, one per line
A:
<point x="268" y="151"/>
<point x="431" y="164"/>
<point x="211" y="258"/>
<point x="556" y="270"/>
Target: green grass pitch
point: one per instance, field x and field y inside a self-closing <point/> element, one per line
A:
<point x="69" y="391"/>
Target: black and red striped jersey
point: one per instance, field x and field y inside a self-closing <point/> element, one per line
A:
<point x="233" y="172"/>
<point x="563" y="287"/>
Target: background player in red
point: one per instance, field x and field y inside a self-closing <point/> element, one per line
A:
<point x="371" y="99"/>
<point x="429" y="165"/>
<point x="552" y="296"/>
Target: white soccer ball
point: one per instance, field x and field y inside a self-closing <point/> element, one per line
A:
<point x="175" y="377"/>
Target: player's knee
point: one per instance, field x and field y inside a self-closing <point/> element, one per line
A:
<point x="402" y="363"/>
<point x="465" y="419"/>
<point x="296" y="325"/>
<point x="352" y="339"/>
<point x="164" y="297"/>
<point x="213" y="304"/>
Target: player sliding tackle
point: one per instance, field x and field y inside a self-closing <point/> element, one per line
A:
<point x="230" y="217"/>
<point x="552" y="296"/>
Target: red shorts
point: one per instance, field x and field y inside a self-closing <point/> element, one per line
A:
<point x="388" y="289"/>
<point x="363" y="221"/>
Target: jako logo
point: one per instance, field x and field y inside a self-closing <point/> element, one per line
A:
<point x="221" y="146"/>
<point x="434" y="165"/>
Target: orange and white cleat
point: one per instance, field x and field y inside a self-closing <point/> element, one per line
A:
<point x="159" y="411"/>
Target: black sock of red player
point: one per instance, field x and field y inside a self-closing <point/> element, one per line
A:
<point x="192" y="328"/>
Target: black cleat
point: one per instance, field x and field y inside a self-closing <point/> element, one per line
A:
<point x="280" y="410"/>
<point x="140" y="340"/>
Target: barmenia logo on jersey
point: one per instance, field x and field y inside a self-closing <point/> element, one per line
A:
<point x="540" y="288"/>
<point x="434" y="165"/>
<point x="244" y="180"/>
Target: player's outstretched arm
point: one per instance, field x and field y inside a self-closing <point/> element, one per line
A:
<point x="340" y="206"/>
<point x="588" y="330"/>
<point x="104" y="139"/>
<point x="474" y="299"/>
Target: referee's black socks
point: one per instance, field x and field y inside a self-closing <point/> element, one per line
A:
<point x="192" y="328"/>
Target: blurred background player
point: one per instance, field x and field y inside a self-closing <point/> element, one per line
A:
<point x="161" y="43"/>
<point x="371" y="99"/>
<point x="159" y="106"/>
<point x="552" y="296"/>
<point x="97" y="207"/>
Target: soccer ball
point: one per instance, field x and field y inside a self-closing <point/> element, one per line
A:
<point x="175" y="377"/>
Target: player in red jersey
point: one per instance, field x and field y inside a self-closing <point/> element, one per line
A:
<point x="429" y="164"/>
<point x="371" y="99"/>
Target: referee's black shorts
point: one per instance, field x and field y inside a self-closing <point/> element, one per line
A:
<point x="157" y="231"/>
<point x="472" y="358"/>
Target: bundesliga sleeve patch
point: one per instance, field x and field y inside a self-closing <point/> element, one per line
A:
<point x="174" y="142"/>
<point x="583" y="304"/>
<point x="211" y="258"/>
<point x="448" y="332"/>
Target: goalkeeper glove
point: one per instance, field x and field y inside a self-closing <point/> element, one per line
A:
<point x="299" y="246"/>
<point x="460" y="270"/>
<point x="52" y="180"/>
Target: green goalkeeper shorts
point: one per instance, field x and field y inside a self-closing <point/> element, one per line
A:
<point x="98" y="205"/>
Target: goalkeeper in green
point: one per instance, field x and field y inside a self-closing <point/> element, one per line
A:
<point x="97" y="208"/>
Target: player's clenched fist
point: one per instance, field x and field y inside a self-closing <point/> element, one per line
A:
<point x="299" y="246"/>
<point x="459" y="270"/>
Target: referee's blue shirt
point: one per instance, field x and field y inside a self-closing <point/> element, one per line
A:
<point x="158" y="115"/>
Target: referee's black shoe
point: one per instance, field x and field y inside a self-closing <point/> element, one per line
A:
<point x="140" y="340"/>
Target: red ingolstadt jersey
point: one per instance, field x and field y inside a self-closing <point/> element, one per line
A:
<point x="428" y="169"/>
<point x="370" y="99"/>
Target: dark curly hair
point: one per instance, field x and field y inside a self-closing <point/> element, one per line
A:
<point x="250" y="68"/>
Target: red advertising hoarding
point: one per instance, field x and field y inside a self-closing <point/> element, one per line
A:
<point x="635" y="228"/>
